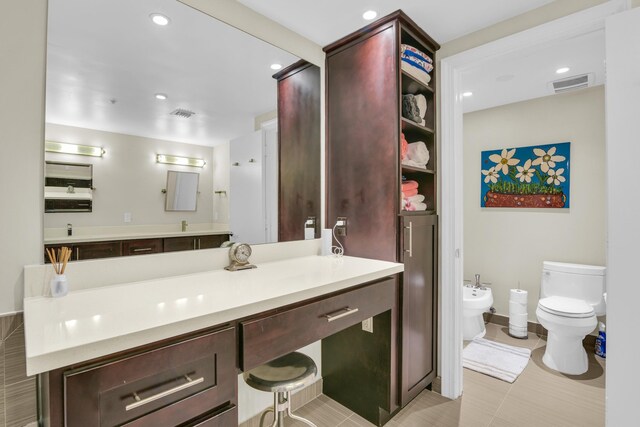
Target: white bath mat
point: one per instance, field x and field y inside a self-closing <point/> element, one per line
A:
<point x="502" y="361"/>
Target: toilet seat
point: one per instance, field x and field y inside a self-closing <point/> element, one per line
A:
<point x="566" y="307"/>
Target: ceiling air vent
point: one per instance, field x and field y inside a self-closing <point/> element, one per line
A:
<point x="181" y="112"/>
<point x="572" y="83"/>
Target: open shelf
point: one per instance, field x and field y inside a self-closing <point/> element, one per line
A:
<point x="417" y="213"/>
<point x="414" y="86"/>
<point x="411" y="169"/>
<point x="411" y="125"/>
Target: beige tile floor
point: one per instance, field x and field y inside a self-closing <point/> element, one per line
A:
<point x="540" y="397"/>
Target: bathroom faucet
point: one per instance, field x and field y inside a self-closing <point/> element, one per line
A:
<point x="184" y="225"/>
<point x="477" y="285"/>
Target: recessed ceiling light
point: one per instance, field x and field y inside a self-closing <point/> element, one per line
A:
<point x="276" y="66"/>
<point x="161" y="96"/>
<point x="159" y="19"/>
<point x="369" y="15"/>
<point x="562" y="70"/>
<point x="467" y="94"/>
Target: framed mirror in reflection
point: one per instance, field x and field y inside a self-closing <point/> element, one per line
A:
<point x="194" y="88"/>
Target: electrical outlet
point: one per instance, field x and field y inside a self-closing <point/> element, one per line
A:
<point x="127" y="217"/>
<point x="341" y="226"/>
<point x="367" y="325"/>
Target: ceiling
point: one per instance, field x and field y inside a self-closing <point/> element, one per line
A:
<point x="328" y="20"/>
<point x="106" y="60"/>
<point x="526" y="74"/>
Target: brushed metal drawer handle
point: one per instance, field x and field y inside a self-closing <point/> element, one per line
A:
<point x="140" y="402"/>
<point x="142" y="249"/>
<point x="344" y="312"/>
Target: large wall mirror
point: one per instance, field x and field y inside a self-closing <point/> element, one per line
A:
<point x="139" y="79"/>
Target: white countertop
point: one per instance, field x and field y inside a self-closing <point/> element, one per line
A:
<point x="129" y="236"/>
<point x="91" y="323"/>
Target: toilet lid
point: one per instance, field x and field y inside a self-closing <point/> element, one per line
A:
<point x="566" y="307"/>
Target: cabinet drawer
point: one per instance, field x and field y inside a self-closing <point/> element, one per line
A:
<point x="167" y="386"/>
<point x="172" y="244"/>
<point x="141" y="247"/>
<point x="97" y="250"/>
<point x="211" y="241"/>
<point x="269" y="337"/>
<point x="226" y="417"/>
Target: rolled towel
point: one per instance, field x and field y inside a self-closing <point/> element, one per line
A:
<point x="419" y="206"/>
<point x="408" y="193"/>
<point x="408" y="162"/>
<point x="409" y="185"/>
<point x="410" y="108"/>
<point x="418" y="152"/>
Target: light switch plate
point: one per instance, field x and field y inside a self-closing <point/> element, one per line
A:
<point x="367" y="325"/>
<point x="127" y="217"/>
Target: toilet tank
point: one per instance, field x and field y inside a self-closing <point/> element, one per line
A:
<point x="585" y="282"/>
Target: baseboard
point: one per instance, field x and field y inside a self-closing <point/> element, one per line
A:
<point x="436" y="385"/>
<point x="298" y="399"/>
<point x="533" y="327"/>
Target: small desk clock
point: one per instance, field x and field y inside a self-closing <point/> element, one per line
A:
<point x="239" y="254"/>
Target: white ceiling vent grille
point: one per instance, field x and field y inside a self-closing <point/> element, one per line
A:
<point x="572" y="83"/>
<point x="181" y="112"/>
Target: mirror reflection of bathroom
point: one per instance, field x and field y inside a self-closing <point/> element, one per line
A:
<point x="534" y="204"/>
<point x="182" y="191"/>
<point x="148" y="117"/>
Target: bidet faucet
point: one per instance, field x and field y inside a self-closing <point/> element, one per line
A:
<point x="184" y="225"/>
<point x="477" y="284"/>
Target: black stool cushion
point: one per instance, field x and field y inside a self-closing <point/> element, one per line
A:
<point x="287" y="373"/>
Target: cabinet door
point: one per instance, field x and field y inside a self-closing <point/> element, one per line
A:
<point x="97" y="250"/>
<point x="212" y="241"/>
<point x="141" y="247"/>
<point x="173" y="244"/>
<point x="418" y="300"/>
<point x="55" y="249"/>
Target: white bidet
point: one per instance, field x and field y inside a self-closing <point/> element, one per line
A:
<point x="475" y="301"/>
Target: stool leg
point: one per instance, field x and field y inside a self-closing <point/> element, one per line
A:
<point x="279" y="402"/>
<point x="295" y="417"/>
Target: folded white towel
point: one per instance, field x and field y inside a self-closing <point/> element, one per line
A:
<point x="418" y="198"/>
<point x="421" y="100"/>
<point x="420" y="206"/>
<point x="418" y="152"/>
<point x="416" y="73"/>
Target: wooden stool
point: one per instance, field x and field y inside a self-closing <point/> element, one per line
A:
<point x="280" y="377"/>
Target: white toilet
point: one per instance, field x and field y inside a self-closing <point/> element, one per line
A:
<point x="571" y="296"/>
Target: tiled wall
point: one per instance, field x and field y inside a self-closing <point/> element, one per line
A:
<point x="17" y="391"/>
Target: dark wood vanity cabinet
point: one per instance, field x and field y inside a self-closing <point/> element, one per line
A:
<point x="299" y="149"/>
<point x="192" y="382"/>
<point x="365" y="84"/>
<point x="94" y="250"/>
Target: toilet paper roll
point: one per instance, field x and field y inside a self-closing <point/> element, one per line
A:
<point x="518" y="319"/>
<point x="518" y="332"/>
<point x="518" y="295"/>
<point x="517" y="308"/>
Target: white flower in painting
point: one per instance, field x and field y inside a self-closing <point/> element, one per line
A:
<point x="555" y="177"/>
<point x="504" y="160"/>
<point x="525" y="172"/>
<point x="490" y="175"/>
<point x="546" y="159"/>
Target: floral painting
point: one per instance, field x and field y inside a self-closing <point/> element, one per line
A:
<point x="526" y="177"/>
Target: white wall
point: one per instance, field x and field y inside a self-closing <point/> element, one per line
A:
<point x="128" y="179"/>
<point x="623" y="152"/>
<point x="507" y="246"/>
<point x="23" y="26"/>
<point x="221" y="165"/>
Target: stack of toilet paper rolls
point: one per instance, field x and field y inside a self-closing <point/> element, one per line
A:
<point x="518" y="313"/>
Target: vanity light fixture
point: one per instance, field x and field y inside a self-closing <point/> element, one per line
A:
<point x="159" y="19"/>
<point x="276" y="66"/>
<point x="562" y="70"/>
<point x="161" y="96"/>
<point x="169" y="159"/>
<point x="369" y="15"/>
<point x="467" y="94"/>
<point x="81" y="150"/>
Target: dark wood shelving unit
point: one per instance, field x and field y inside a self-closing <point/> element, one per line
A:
<point x="364" y="177"/>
